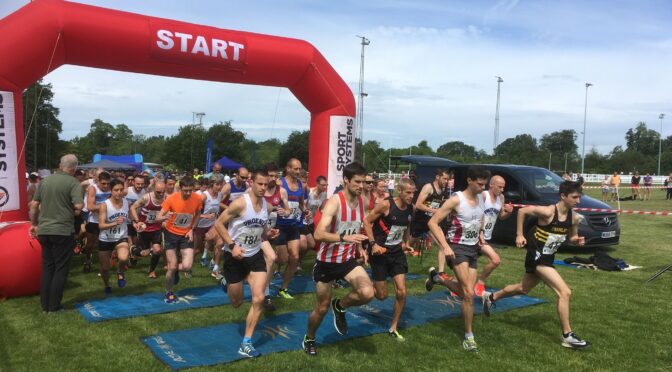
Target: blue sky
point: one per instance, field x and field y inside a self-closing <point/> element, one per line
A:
<point x="431" y="66"/>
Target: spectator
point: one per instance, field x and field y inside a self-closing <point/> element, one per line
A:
<point x="390" y="185"/>
<point x="648" y="182"/>
<point x="614" y="183"/>
<point x="668" y="184"/>
<point x="52" y="215"/>
<point x="634" y="185"/>
<point x="605" y="188"/>
<point x="33" y="181"/>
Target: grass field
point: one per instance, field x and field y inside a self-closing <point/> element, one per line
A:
<point x="627" y="321"/>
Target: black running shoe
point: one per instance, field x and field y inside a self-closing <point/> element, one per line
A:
<point x="268" y="304"/>
<point x="340" y="323"/>
<point x="429" y="283"/>
<point x="309" y="346"/>
<point x="87" y="266"/>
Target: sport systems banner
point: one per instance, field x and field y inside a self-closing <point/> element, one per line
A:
<point x="341" y="148"/>
<point x="9" y="183"/>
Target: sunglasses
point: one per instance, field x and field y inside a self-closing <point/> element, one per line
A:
<point x="369" y="182"/>
<point x="323" y="184"/>
<point x="159" y="192"/>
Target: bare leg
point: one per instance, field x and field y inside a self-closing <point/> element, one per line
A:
<point x="362" y="289"/>
<point x="400" y="299"/>
<point x="552" y="278"/>
<point x="104" y="260"/>
<point x="293" y="262"/>
<point x="323" y="294"/>
<point x="493" y="262"/>
<point x="466" y="278"/>
<point x="171" y="268"/>
<point x="257" y="282"/>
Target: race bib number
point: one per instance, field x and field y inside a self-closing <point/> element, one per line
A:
<point x="433" y="205"/>
<point x="183" y="220"/>
<point x="114" y="231"/>
<point x="249" y="237"/>
<point x="489" y="224"/>
<point x="272" y="219"/>
<point x="295" y="212"/>
<point x="396" y="235"/>
<point x="151" y="217"/>
<point x="470" y="236"/>
<point x="553" y="242"/>
<point x="350" y="228"/>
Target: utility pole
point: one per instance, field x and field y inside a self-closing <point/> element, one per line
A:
<point x="359" y="120"/>
<point x="496" y="141"/>
<point x="585" y="112"/>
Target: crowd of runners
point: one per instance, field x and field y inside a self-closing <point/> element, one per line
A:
<point x="257" y="226"/>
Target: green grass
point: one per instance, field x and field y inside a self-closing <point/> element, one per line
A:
<point x="627" y="321"/>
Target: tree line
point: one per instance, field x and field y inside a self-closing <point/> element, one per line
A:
<point x="186" y="149"/>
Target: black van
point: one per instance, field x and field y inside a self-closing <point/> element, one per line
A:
<point x="524" y="185"/>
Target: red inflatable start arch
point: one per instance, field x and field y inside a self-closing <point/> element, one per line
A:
<point x="46" y="34"/>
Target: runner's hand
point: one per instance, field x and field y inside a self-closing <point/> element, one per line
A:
<point x="355" y="238"/>
<point x="33" y="231"/>
<point x="208" y="216"/>
<point x="190" y="235"/>
<point x="237" y="252"/>
<point x="520" y="241"/>
<point x="508" y="207"/>
<point x="307" y="213"/>
<point x="578" y="240"/>
<point x="376" y="250"/>
<point x="448" y="252"/>
<point x="273" y="233"/>
<point x="365" y="256"/>
<point x="407" y="248"/>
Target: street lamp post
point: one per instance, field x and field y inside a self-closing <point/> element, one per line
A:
<point x="359" y="120"/>
<point x="585" y="112"/>
<point x="496" y="141"/>
<point x="193" y="123"/>
<point x="660" y="140"/>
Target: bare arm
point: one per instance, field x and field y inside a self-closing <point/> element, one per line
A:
<point x="91" y="200"/>
<point x="422" y="197"/>
<point x="574" y="232"/>
<point x="378" y="211"/>
<point x="434" y="228"/>
<point x="102" y="218"/>
<point x="137" y="205"/>
<point x="541" y="212"/>
<point x="328" y="214"/>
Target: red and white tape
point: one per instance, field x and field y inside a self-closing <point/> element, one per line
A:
<point x="620" y="211"/>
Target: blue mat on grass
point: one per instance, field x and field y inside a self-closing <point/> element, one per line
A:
<point x="219" y="344"/>
<point x="563" y="263"/>
<point x="119" y="307"/>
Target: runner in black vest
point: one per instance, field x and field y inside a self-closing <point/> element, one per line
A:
<point x="387" y="227"/>
<point x="556" y="223"/>
<point x="430" y="199"/>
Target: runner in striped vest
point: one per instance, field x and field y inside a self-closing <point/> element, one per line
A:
<point x="338" y="232"/>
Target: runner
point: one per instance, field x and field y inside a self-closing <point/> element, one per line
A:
<point x="133" y="193"/>
<point x="495" y="209"/>
<point x="648" y="182"/>
<point x="368" y="195"/>
<point x="288" y="242"/>
<point x="387" y="228"/>
<point x="304" y="230"/>
<point x="247" y="218"/>
<point x="380" y="189"/>
<point x="465" y="210"/>
<point x="170" y="184"/>
<point x="96" y="194"/>
<point x="430" y="199"/>
<point x="315" y="201"/>
<point x="183" y="209"/>
<point x="338" y="233"/>
<point x="555" y="224"/>
<point x="236" y="187"/>
<point x="148" y="224"/>
<point x="276" y="197"/>
<point x="113" y="225"/>
<point x="212" y="203"/>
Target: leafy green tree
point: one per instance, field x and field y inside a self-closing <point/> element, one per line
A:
<point x="460" y="152"/>
<point x="642" y="140"/>
<point x="562" y="144"/>
<point x="186" y="149"/>
<point x="296" y="146"/>
<point x="41" y="127"/>
<point x="376" y="157"/>
<point x="227" y="142"/>
<point x="521" y="149"/>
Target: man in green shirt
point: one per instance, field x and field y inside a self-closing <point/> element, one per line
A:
<point x="52" y="214"/>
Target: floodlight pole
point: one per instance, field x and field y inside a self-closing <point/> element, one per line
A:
<point x="660" y="140"/>
<point x="359" y="120"/>
<point x="585" y="112"/>
<point x="496" y="141"/>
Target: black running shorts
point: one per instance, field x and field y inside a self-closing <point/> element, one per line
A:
<point x="464" y="253"/>
<point x="149" y="238"/>
<point x="92" y="228"/>
<point x="533" y="258"/>
<point x="388" y="265"/>
<point x="287" y="234"/>
<point x="327" y="272"/>
<point x="110" y="246"/>
<point x="172" y="241"/>
<point x="236" y="270"/>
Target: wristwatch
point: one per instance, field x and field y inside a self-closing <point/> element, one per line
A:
<point x="342" y="235"/>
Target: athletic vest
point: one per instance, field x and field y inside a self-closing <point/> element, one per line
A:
<point x="236" y="192"/>
<point x="547" y="239"/>
<point x="349" y="221"/>
<point x="275" y="201"/>
<point x="313" y="204"/>
<point x="211" y="205"/>
<point x="389" y="230"/>
<point x="118" y="232"/>
<point x="434" y="201"/>
<point x="465" y="223"/>
<point x="148" y="215"/>
<point x="293" y="198"/>
<point x="490" y="214"/>
<point x="100" y="198"/>
<point x="247" y="229"/>
<point x="133" y="196"/>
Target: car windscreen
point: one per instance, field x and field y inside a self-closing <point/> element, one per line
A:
<point x="541" y="180"/>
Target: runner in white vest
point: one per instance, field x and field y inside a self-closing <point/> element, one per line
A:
<point x="113" y="224"/>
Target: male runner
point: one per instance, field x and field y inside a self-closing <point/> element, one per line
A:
<point x="276" y="197"/>
<point x="133" y="193"/>
<point x="430" y="199"/>
<point x="247" y="220"/>
<point x="555" y="224"/>
<point x="368" y="195"/>
<point x="461" y="245"/>
<point x="148" y="224"/>
<point x="96" y="194"/>
<point x="287" y="243"/>
<point x="387" y="228"/>
<point x="113" y="225"/>
<point x="494" y="209"/>
<point x="339" y="237"/>
<point x="184" y="210"/>
<point x="212" y="203"/>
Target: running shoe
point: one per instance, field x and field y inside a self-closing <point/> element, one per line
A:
<point x="108" y="290"/>
<point x="573" y="341"/>
<point x="217" y="275"/>
<point x="298" y="272"/>
<point x="395" y="334"/>
<point x="204" y="261"/>
<point x="479" y="289"/>
<point x="188" y="274"/>
<point x="277" y="275"/>
<point x="247" y="350"/>
<point x="152" y="274"/>
<point x="284" y="293"/>
<point x="341" y="283"/>
<point x="429" y="283"/>
<point x="309" y="346"/>
<point x="487" y="303"/>
<point x="224" y="284"/>
<point x="268" y="304"/>
<point x="340" y="322"/>
<point x="212" y="264"/>
<point x="469" y="344"/>
<point x="121" y="280"/>
<point x="170" y="298"/>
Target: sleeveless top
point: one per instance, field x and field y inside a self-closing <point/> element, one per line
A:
<point x="547" y="239"/>
<point x="293" y="198"/>
<point x="117" y="232"/>
<point x="490" y="214"/>
<point x="133" y="196"/>
<point x="313" y="203"/>
<point x="100" y="198"/>
<point x="465" y="223"/>
<point x="348" y="220"/>
<point x="246" y="230"/>
<point x="389" y="230"/>
<point x="434" y="201"/>
<point x="148" y="215"/>
<point x="211" y="205"/>
<point x="236" y="192"/>
<point x="275" y="201"/>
